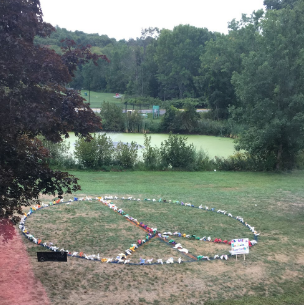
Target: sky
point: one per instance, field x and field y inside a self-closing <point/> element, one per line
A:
<point x="122" y="19"/>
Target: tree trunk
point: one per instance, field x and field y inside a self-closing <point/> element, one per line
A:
<point x="279" y="157"/>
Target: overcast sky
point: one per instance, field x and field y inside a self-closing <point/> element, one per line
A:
<point x="122" y="19"/>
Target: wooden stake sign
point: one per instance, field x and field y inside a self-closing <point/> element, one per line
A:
<point x="240" y="246"/>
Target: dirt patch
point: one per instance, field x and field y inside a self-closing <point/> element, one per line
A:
<point x="286" y="258"/>
<point x="288" y="274"/>
<point x="17" y="281"/>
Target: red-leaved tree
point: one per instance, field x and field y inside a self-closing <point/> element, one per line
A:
<point x="34" y="101"/>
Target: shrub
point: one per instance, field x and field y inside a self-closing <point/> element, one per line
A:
<point x="59" y="154"/>
<point x="244" y="161"/>
<point x="152" y="125"/>
<point x="133" y="122"/>
<point x="175" y="153"/>
<point x="151" y="156"/>
<point x="211" y="127"/>
<point x="203" y="162"/>
<point x="126" y="155"/>
<point x="112" y="117"/>
<point x="95" y="154"/>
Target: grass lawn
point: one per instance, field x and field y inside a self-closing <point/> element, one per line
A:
<point x="97" y="98"/>
<point x="273" y="272"/>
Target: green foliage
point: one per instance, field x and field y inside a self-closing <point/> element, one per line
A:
<point x="177" y="57"/>
<point x="101" y="154"/>
<point x="59" y="155"/>
<point x="189" y="117"/>
<point x="112" y="117"/>
<point x="142" y="102"/>
<point x="221" y="57"/>
<point x="189" y="121"/>
<point x="126" y="155"/>
<point x="133" y="122"/>
<point x="175" y="153"/>
<point x="270" y="90"/>
<point x="151" y="155"/>
<point x="181" y="121"/>
<point x="243" y="162"/>
<point x="253" y="77"/>
<point x="212" y="127"/>
<point x="137" y="67"/>
<point x="152" y="125"/>
<point x="96" y="154"/>
<point x="279" y="4"/>
<point x="90" y="76"/>
<point x="35" y="101"/>
<point x="169" y="121"/>
<point x="203" y="162"/>
<point x="180" y="103"/>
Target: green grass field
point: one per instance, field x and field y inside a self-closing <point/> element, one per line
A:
<point x="97" y="98"/>
<point x="271" y="274"/>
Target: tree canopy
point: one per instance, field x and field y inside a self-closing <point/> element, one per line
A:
<point x="35" y="102"/>
<point x="270" y="88"/>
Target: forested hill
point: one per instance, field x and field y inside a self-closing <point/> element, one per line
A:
<point x="81" y="38"/>
<point x="254" y="75"/>
<point x="190" y="62"/>
<point x="159" y="64"/>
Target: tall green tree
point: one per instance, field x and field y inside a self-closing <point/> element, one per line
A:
<point x="221" y="57"/>
<point x="112" y="117"/>
<point x="177" y="56"/>
<point x="270" y="88"/>
<point x="120" y="68"/>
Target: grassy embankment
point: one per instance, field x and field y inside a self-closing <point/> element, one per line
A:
<point x="271" y="274"/>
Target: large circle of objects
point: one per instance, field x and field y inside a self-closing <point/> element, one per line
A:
<point x="151" y="233"/>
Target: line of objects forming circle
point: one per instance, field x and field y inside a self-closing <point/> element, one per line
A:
<point x="151" y="233"/>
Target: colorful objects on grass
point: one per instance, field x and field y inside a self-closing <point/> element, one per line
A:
<point x="151" y="232"/>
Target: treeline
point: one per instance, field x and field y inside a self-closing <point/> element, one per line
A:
<point x="253" y="76"/>
<point x="159" y="64"/>
<point x="188" y="121"/>
<point x="186" y="62"/>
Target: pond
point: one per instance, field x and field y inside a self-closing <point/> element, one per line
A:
<point x="212" y="145"/>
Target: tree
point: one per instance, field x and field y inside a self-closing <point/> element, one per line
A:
<point x="117" y="76"/>
<point x="169" y="122"/>
<point x="270" y="88"/>
<point x="177" y="56"/>
<point x="279" y="4"/>
<point x="133" y="122"/>
<point x="34" y="101"/>
<point x="112" y="117"/>
<point x="189" y="117"/>
<point x="221" y="57"/>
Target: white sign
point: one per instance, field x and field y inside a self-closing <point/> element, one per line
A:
<point x="240" y="246"/>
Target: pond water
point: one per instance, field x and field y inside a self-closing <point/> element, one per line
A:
<point x="213" y="146"/>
